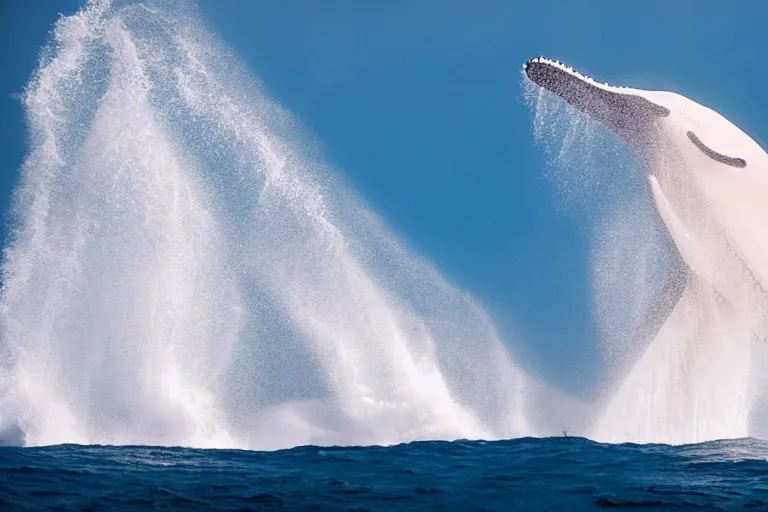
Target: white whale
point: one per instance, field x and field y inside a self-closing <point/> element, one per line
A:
<point x="709" y="182"/>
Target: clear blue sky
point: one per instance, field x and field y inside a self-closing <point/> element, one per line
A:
<point x="419" y="105"/>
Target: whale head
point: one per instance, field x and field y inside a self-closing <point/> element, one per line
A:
<point x="708" y="178"/>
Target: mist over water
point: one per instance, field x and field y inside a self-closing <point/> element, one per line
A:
<point x="600" y="184"/>
<point x="184" y="270"/>
<point x="682" y="363"/>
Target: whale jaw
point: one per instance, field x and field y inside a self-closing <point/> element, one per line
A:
<point x="627" y="114"/>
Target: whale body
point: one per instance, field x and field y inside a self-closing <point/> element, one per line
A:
<point x="709" y="183"/>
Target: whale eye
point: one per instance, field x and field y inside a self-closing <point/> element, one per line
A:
<point x="714" y="155"/>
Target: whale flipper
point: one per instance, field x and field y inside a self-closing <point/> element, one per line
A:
<point x="686" y="245"/>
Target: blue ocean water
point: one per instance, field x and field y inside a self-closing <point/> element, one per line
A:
<point x="553" y="474"/>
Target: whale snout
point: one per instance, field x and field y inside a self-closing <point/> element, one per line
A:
<point x="619" y="109"/>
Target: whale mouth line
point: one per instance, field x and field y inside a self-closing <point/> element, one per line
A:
<point x="714" y="155"/>
<point x="616" y="107"/>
